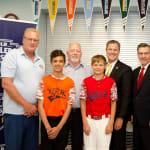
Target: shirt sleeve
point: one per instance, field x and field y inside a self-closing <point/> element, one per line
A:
<point x="39" y="93"/>
<point x="114" y="95"/>
<point x="72" y="93"/>
<point x="83" y="93"/>
<point x="8" y="66"/>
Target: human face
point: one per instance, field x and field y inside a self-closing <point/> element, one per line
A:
<point x="30" y="41"/>
<point x="57" y="64"/>
<point x="144" y="55"/>
<point x="99" y="67"/>
<point x="112" y="52"/>
<point x="74" y="53"/>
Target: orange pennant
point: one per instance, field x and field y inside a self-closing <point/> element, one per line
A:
<point x="70" y="5"/>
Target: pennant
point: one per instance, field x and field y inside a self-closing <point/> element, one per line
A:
<point x="106" y="7"/>
<point x="70" y="5"/>
<point x="143" y="11"/>
<point x="36" y="5"/>
<point x="88" y="9"/>
<point x="53" y="5"/>
<point x="124" y="6"/>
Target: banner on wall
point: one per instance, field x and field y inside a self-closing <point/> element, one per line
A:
<point x="36" y="7"/>
<point x="11" y="34"/>
<point x="124" y="6"/>
<point x="88" y="9"/>
<point x="106" y="8"/>
<point x="53" y="5"/>
<point x="70" y="6"/>
<point x="142" y="4"/>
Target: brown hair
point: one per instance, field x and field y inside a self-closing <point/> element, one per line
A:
<point x="143" y="45"/>
<point x="98" y="58"/>
<point x="113" y="42"/>
<point x="56" y="53"/>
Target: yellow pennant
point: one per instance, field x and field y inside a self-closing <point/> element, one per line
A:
<point x="53" y="4"/>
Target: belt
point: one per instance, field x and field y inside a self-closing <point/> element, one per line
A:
<point x="98" y="117"/>
<point x="75" y="109"/>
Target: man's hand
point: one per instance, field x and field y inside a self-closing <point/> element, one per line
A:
<point x="118" y="124"/>
<point x="30" y="109"/>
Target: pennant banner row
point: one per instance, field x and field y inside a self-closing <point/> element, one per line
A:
<point x="88" y="9"/>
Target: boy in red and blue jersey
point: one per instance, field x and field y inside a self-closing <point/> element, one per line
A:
<point x="98" y="106"/>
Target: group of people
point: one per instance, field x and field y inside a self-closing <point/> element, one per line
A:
<point x="94" y="104"/>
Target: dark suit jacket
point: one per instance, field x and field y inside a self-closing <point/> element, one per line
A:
<point x="122" y="74"/>
<point x="141" y="98"/>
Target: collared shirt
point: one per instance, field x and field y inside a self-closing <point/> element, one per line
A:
<point x="113" y="64"/>
<point x="77" y="75"/>
<point x="145" y="68"/>
<point x="27" y="75"/>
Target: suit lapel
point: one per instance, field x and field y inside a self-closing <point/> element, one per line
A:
<point x="115" y="69"/>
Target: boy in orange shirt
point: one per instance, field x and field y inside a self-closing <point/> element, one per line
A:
<point x="55" y="95"/>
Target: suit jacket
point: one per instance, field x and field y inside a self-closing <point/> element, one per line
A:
<point x="141" y="98"/>
<point x="122" y="74"/>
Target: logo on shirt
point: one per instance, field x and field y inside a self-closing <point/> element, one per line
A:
<point x="56" y="93"/>
<point x="97" y="94"/>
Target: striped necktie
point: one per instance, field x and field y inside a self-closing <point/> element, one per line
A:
<point x="109" y="70"/>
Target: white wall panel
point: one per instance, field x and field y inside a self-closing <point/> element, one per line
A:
<point x="95" y="42"/>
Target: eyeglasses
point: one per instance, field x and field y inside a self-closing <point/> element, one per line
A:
<point x="30" y="39"/>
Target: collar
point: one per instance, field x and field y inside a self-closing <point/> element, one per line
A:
<point x="22" y="52"/>
<point x="62" y="78"/>
<point x="98" y="79"/>
<point x="69" y="65"/>
<point x="145" y="68"/>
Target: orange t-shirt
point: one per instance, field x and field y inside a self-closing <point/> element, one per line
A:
<point x="56" y="93"/>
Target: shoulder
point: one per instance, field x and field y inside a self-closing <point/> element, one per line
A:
<point x="47" y="78"/>
<point x="136" y="69"/>
<point x="69" y="80"/>
<point x="125" y="66"/>
<point x="90" y="78"/>
<point x="109" y="79"/>
<point x="12" y="53"/>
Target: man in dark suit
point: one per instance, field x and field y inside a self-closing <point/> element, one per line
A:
<point x="141" y="99"/>
<point x="122" y="74"/>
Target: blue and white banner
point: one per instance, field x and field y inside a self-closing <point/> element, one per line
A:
<point x="36" y="6"/>
<point x="88" y="9"/>
<point x="11" y="33"/>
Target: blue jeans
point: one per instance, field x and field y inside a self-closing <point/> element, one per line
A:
<point x="21" y="133"/>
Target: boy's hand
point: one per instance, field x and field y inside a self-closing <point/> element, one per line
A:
<point x="86" y="128"/>
<point x="109" y="128"/>
<point x="53" y="133"/>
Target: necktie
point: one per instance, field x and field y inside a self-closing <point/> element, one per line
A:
<point x="140" y="78"/>
<point x="109" y="70"/>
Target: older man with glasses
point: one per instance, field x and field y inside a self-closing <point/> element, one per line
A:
<point x="21" y="71"/>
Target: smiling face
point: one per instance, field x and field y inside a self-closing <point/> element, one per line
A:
<point x="144" y="55"/>
<point x="57" y="64"/>
<point x="99" y="67"/>
<point x="30" y="41"/>
<point x="112" y="52"/>
<point x="74" y="53"/>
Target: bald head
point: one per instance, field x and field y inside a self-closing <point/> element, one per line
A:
<point x="74" y="53"/>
